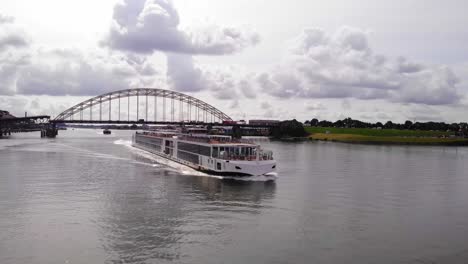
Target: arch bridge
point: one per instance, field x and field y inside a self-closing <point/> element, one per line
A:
<point x="142" y="105"/>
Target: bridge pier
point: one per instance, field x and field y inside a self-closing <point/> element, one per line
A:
<point x="5" y="132"/>
<point x="50" y="131"/>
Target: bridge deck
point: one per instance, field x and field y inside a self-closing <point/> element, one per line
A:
<point x="19" y="119"/>
<point x="103" y="122"/>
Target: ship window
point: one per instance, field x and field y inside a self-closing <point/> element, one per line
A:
<point x="194" y="148"/>
<point x="215" y="152"/>
<point x="187" y="157"/>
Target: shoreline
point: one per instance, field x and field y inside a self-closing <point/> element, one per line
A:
<point x="389" y="140"/>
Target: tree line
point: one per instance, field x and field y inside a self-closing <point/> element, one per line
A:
<point x="409" y="125"/>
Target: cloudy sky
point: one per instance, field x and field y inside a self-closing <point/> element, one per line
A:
<point x="365" y="59"/>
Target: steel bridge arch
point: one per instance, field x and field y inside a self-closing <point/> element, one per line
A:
<point x="137" y="92"/>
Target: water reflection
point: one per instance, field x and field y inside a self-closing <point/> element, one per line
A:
<point x="154" y="216"/>
<point x="231" y="190"/>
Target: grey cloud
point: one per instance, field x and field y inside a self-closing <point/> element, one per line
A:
<point x="12" y="55"/>
<point x="12" y="40"/>
<point x="10" y="35"/>
<point x="145" y="26"/>
<point x="342" y="65"/>
<point x="408" y="67"/>
<point x="434" y="86"/>
<point x="376" y="117"/>
<point x="6" y="19"/>
<point x="345" y="104"/>
<point x="247" y="89"/>
<point x="277" y="85"/>
<point x="265" y="105"/>
<point x="14" y="105"/>
<point x="223" y="86"/>
<point x="183" y="75"/>
<point x="234" y="104"/>
<point x="35" y="104"/>
<point x="384" y="116"/>
<point x="8" y="75"/>
<point x="423" y="113"/>
<point x="140" y="63"/>
<point x="73" y="73"/>
<point x="314" y="106"/>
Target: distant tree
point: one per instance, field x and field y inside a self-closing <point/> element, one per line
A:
<point x="289" y="128"/>
<point x="453" y="127"/>
<point x="348" y="122"/>
<point x="388" y="125"/>
<point x="314" y="122"/>
<point x="408" y="124"/>
<point x="378" y="124"/>
<point x="339" y="123"/>
<point x="325" y="123"/>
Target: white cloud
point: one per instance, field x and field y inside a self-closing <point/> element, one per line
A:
<point x="265" y="105"/>
<point x="183" y="75"/>
<point x="71" y="72"/>
<point x="6" y="19"/>
<point x="10" y="35"/>
<point x="247" y="89"/>
<point x="224" y="84"/>
<point x="342" y="65"/>
<point x="13" y="55"/>
<point x="145" y="26"/>
<point x="314" y="106"/>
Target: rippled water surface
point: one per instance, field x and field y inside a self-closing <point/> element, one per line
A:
<point x="89" y="198"/>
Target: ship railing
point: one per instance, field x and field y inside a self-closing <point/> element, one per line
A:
<point x="216" y="140"/>
<point x="239" y="157"/>
<point x="266" y="155"/>
<point x="262" y="156"/>
<point x="153" y="134"/>
<point x="194" y="139"/>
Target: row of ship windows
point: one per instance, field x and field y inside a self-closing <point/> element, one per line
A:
<point x="149" y="145"/>
<point x="150" y="140"/>
<point x="193" y="148"/>
<point x="186" y="151"/>
<point x="193" y="158"/>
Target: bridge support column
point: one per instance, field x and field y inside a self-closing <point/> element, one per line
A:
<point x="50" y="131"/>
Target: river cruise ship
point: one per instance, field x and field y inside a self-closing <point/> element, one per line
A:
<point x="212" y="154"/>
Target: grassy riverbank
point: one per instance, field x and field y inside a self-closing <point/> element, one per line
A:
<point x="385" y="136"/>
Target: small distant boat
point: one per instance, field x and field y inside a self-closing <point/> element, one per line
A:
<point x="106" y="132"/>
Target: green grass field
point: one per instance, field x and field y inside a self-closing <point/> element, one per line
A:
<point x="384" y="136"/>
<point x="377" y="132"/>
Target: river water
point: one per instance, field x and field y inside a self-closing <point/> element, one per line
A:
<point x="89" y="198"/>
